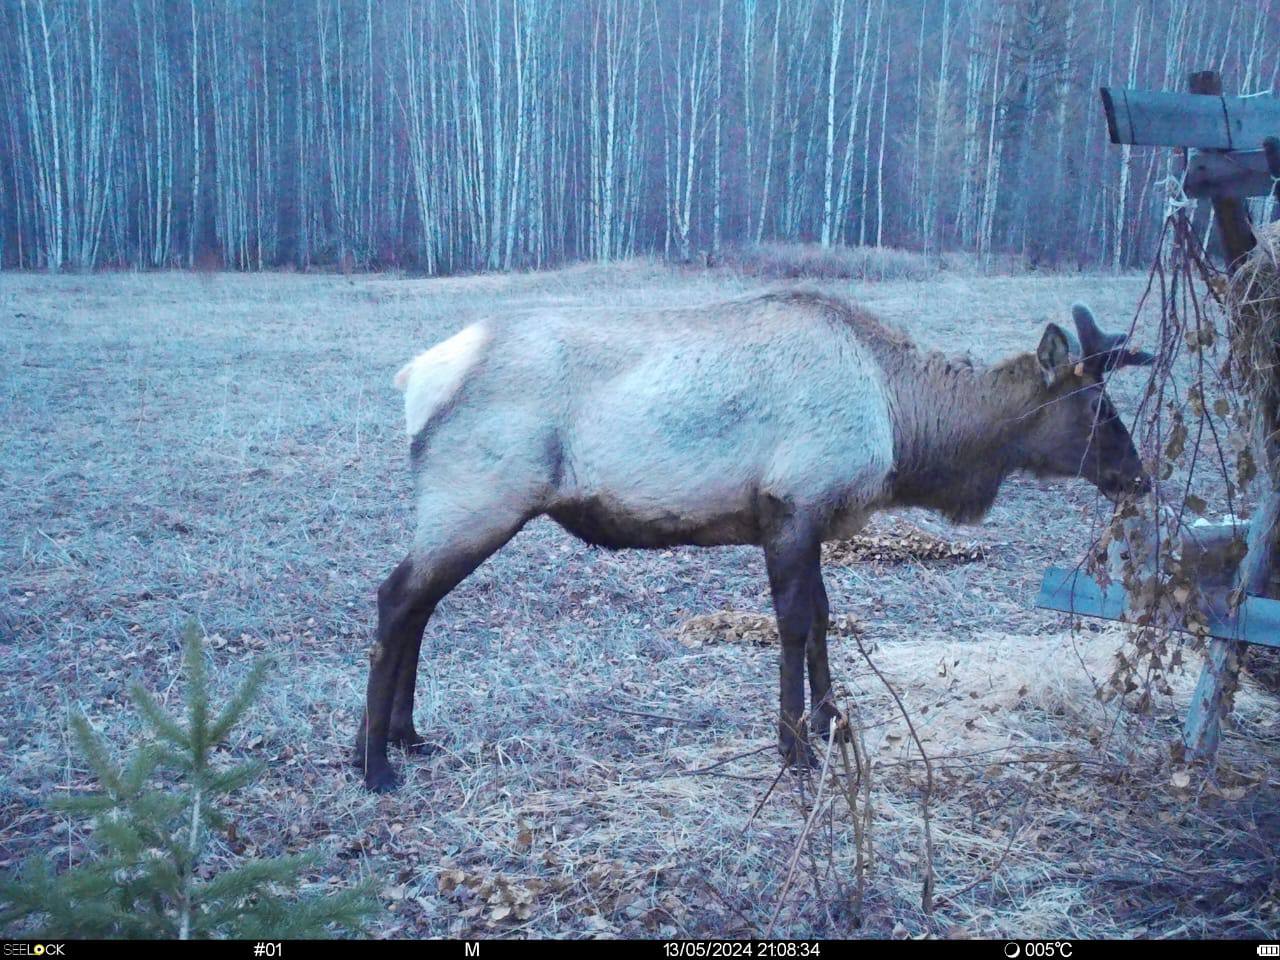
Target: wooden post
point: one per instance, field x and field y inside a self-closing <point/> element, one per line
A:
<point x="1271" y="150"/>
<point x="1239" y="173"/>
<point x="1230" y="212"/>
<point x="1136" y="550"/>
<point x="1220" y="674"/>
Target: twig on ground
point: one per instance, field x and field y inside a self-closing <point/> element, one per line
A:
<point x="926" y="893"/>
<point x="804" y="834"/>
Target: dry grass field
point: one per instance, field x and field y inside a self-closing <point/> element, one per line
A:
<point x="230" y="447"/>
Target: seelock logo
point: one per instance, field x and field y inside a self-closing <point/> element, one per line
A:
<point x="35" y="949"/>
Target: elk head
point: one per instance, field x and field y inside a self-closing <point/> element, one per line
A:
<point x="1077" y="431"/>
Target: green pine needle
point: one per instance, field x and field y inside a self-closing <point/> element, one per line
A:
<point x="240" y="701"/>
<point x="160" y="722"/>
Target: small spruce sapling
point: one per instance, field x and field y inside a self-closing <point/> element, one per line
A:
<point x="152" y="819"/>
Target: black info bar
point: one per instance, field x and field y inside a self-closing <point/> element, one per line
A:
<point x="996" y="949"/>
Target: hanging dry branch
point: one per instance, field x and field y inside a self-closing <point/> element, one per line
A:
<point x="1207" y="410"/>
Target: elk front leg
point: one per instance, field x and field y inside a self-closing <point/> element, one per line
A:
<point x="793" y="559"/>
<point x="822" y="709"/>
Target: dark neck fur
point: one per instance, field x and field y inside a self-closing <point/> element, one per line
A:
<point x="957" y="430"/>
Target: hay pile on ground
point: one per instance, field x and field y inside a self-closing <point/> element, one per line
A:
<point x="1053" y="814"/>
<point x="899" y="542"/>
<point x="761" y="629"/>
<point x="1051" y="810"/>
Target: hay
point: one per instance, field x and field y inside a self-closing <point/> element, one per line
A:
<point x="1052" y="809"/>
<point x="900" y="542"/>
<point x="1252" y="299"/>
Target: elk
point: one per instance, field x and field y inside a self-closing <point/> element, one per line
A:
<point x="780" y="420"/>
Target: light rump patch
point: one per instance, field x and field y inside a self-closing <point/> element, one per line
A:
<point x="432" y="378"/>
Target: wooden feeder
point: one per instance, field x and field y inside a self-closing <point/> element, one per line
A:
<point x="1232" y="154"/>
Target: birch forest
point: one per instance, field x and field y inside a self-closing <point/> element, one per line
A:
<point x="444" y="136"/>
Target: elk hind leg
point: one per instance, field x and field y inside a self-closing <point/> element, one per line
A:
<point x="406" y="601"/>
<point x="404" y="607"/>
<point x="822" y="708"/>
<point x="400" y="729"/>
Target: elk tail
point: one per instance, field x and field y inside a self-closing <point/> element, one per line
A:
<point x="432" y="379"/>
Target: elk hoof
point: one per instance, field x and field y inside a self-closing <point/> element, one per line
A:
<point x="410" y="742"/>
<point x="822" y="730"/>
<point x="417" y="747"/>
<point x="796" y="755"/>
<point x="380" y="778"/>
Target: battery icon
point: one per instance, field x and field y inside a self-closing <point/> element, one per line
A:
<point x="1269" y="949"/>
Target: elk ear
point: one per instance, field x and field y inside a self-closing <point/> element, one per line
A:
<point x="1054" y="352"/>
<point x="1092" y="340"/>
<point x="1104" y="352"/>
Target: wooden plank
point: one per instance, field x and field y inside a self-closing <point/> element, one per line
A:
<point x="1257" y="620"/>
<point x="1074" y="591"/>
<point x="1202" y="730"/>
<point x="1212" y="174"/>
<point x="1159" y="119"/>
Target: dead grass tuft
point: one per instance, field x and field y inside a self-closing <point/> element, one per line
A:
<point x="790" y="261"/>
